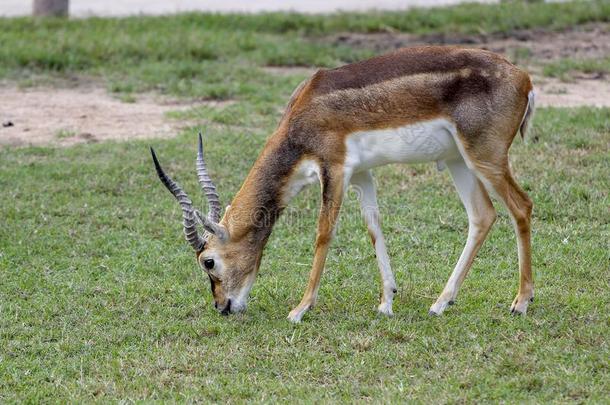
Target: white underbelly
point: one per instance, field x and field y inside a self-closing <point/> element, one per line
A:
<point x="422" y="142"/>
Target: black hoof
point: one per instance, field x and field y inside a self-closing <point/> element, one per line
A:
<point x="395" y="291"/>
<point x="532" y="299"/>
<point x="514" y="312"/>
<point x="451" y="302"/>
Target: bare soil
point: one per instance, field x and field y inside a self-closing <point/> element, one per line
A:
<point x="582" y="91"/>
<point x="67" y="116"/>
<point x="586" y="41"/>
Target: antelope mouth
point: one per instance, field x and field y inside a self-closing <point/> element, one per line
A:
<point x="227" y="309"/>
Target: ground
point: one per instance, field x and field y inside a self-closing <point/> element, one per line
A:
<point x="101" y="298"/>
<point x="86" y="113"/>
<point x="81" y="110"/>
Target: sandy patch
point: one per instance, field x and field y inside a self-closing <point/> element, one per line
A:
<point x="586" y="41"/>
<point x="581" y="92"/>
<point x="66" y="116"/>
<point x="289" y="70"/>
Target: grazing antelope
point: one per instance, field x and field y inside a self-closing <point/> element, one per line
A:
<point x="460" y="108"/>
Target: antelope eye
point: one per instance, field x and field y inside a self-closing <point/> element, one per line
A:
<point x="208" y="264"/>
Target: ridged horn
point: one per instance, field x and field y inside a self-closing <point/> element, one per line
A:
<point x="207" y="186"/>
<point x="188" y="216"/>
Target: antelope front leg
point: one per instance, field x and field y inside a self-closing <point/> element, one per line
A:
<point x="370" y="212"/>
<point x="332" y="197"/>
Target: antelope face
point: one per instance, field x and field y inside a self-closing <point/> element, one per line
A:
<point x="231" y="267"/>
<point x="230" y="264"/>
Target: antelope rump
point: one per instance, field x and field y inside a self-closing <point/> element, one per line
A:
<point x="460" y="108"/>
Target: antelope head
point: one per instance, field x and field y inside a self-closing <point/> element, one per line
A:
<point x="230" y="261"/>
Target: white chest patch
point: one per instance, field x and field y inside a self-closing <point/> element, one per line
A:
<point x="422" y="142"/>
<point x="306" y="173"/>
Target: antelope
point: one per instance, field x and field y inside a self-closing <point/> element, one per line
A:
<point x="458" y="107"/>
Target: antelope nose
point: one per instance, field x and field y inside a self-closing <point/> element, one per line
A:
<point x="215" y="304"/>
<point x="227" y="309"/>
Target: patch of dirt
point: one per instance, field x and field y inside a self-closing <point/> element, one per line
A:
<point x="586" y="41"/>
<point x="67" y="116"/>
<point x="289" y="70"/>
<point x="582" y="91"/>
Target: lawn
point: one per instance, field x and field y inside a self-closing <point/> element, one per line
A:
<point x="101" y="298"/>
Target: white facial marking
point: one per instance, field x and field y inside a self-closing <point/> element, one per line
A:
<point x="239" y="302"/>
<point x="218" y="269"/>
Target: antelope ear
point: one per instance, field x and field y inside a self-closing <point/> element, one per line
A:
<point x="212" y="227"/>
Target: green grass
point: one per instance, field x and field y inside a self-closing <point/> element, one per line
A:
<point x="101" y="299"/>
<point x="565" y="68"/>
<point x="208" y="55"/>
<point x="65" y="133"/>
